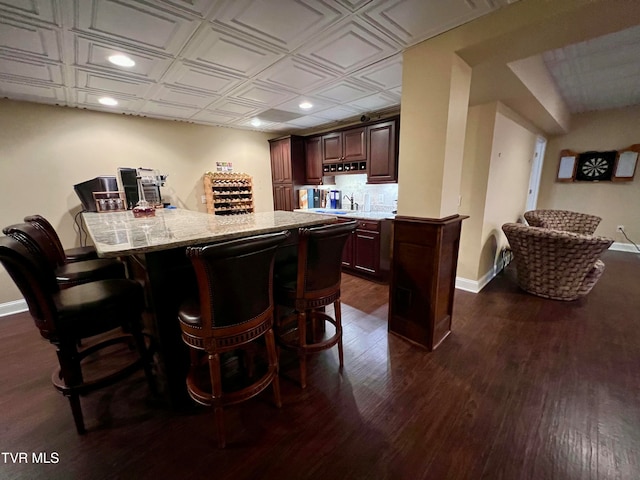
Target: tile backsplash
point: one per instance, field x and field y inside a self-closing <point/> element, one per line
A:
<point x="383" y="197"/>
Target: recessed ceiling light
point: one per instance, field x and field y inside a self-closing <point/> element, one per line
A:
<point x="121" y="60"/>
<point x="256" y="122"/>
<point x="305" y="105"/>
<point x="111" y="102"/>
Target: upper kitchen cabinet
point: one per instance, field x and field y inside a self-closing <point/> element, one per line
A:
<point x="287" y="170"/>
<point x="345" y="146"/>
<point x="382" y="152"/>
<point x="313" y="160"/>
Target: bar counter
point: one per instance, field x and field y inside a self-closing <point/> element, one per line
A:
<point x="154" y="250"/>
<point x="118" y="233"/>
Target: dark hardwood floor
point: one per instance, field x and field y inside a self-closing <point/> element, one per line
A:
<point x="523" y="388"/>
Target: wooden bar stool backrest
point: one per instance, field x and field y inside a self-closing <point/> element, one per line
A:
<point x="234" y="308"/>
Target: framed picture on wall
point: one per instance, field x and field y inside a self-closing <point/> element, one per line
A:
<point x="567" y="166"/>
<point x="626" y="162"/>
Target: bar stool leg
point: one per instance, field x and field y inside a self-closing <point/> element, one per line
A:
<point x="216" y="393"/>
<point x="273" y="364"/>
<point x="302" y="342"/>
<point x="338" y="314"/>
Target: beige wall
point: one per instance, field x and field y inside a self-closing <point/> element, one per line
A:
<point x="495" y="179"/>
<point x="45" y="150"/>
<point x="475" y="174"/>
<point x="435" y="99"/>
<point x="616" y="203"/>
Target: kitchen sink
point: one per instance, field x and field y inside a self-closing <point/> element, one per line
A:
<point x="332" y="212"/>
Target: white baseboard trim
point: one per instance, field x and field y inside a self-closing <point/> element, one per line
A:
<point x="623" y="247"/>
<point x="10" y="308"/>
<point x="474" y="286"/>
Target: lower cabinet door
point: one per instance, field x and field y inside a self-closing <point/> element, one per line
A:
<point x="283" y="197"/>
<point x="366" y="251"/>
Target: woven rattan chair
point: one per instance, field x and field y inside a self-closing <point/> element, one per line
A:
<point x="564" y="220"/>
<point x="555" y="264"/>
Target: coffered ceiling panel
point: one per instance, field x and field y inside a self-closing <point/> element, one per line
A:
<point x="105" y="83"/>
<point x="349" y="46"/>
<point x="344" y="91"/>
<point x="285" y="24"/>
<point x="411" y="21"/>
<point x="214" y="117"/>
<point x="29" y="70"/>
<point x="135" y="23"/>
<point x="167" y="110"/>
<point x="297" y="75"/>
<point x="31" y="91"/>
<point x="338" y="113"/>
<point x="384" y="75"/>
<point x="374" y="102"/>
<point x="41" y="9"/>
<point x="219" y="50"/>
<point x="200" y="78"/>
<point x="93" y="53"/>
<point x="22" y="36"/>
<point x="178" y="96"/>
<point x="235" y="108"/>
<point x="317" y="105"/>
<point x="262" y="95"/>
<point x="127" y="104"/>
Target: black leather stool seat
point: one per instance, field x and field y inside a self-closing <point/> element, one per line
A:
<point x="50" y="252"/>
<point x="92" y="308"/>
<point x="78" y="254"/>
<point x="85" y="271"/>
<point x="190" y="313"/>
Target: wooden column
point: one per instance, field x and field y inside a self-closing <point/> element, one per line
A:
<point x="423" y="276"/>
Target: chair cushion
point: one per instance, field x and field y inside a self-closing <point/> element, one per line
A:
<point x="89" y="270"/>
<point x="80" y="254"/>
<point x="96" y="307"/>
<point x="189" y="312"/>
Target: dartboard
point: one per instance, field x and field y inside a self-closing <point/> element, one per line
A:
<point x="595" y="166"/>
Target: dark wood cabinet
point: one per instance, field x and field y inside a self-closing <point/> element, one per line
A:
<point x="382" y="152"/>
<point x="347" y="253"/>
<point x="367" y="250"/>
<point x="287" y="170"/>
<point x="313" y="160"/>
<point x="345" y="146"/>
<point x="283" y="197"/>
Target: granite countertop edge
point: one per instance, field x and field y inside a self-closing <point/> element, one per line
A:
<point x="355" y="214"/>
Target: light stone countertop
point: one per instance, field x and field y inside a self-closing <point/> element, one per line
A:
<point x="120" y="233"/>
<point x="357" y="214"/>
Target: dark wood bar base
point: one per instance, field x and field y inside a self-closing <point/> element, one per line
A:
<point x="423" y="274"/>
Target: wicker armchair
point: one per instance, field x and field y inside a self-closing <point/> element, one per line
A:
<point x="563" y="220"/>
<point x="555" y="264"/>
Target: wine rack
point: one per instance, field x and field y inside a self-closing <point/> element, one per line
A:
<point x="228" y="193"/>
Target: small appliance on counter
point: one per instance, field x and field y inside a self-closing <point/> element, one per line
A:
<point x="141" y="182"/>
<point x="100" y="194"/>
<point x="335" y="199"/>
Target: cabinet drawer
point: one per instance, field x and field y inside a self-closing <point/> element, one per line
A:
<point x="368" y="225"/>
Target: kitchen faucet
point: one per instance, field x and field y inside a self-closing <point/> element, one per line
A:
<point x="352" y="202"/>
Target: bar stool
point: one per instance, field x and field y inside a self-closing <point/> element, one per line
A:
<point x="67" y="317"/>
<point x="70" y="255"/>
<point x="68" y="274"/>
<point x="307" y="288"/>
<point x="234" y="308"/>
